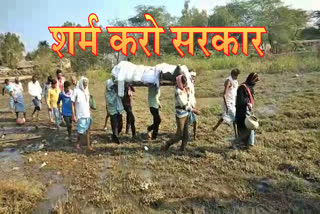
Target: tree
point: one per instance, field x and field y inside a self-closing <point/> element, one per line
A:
<point x="29" y="56"/>
<point x="45" y="62"/>
<point x="11" y="49"/>
<point x="233" y="14"/>
<point x="160" y="14"/>
<point x="44" y="58"/>
<point x="82" y="60"/>
<point x="310" y="33"/>
<point x="43" y="45"/>
<point x="282" y="23"/>
<point x="192" y="16"/>
<point x="163" y="19"/>
<point x="316" y="15"/>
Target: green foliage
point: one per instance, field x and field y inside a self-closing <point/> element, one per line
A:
<point x="310" y="33"/>
<point x="44" y="59"/>
<point x="160" y="14"/>
<point x="82" y="60"/>
<point x="43" y="44"/>
<point x="316" y="15"/>
<point x="99" y="75"/>
<point x="192" y="16"/>
<point x="232" y="14"/>
<point x="283" y="23"/>
<point x="163" y="19"/>
<point x="11" y="49"/>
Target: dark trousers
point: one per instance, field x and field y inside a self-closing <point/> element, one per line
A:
<point x="243" y="132"/>
<point x="68" y="121"/>
<point x="130" y="120"/>
<point x="116" y="125"/>
<point x="156" y="122"/>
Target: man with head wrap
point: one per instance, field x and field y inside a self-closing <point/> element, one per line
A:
<point x="74" y="81"/>
<point x="183" y="107"/>
<point x="18" y="83"/>
<point x="81" y="111"/>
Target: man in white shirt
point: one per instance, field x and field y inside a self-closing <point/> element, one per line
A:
<point x="229" y="100"/>
<point x="81" y="111"/>
<point x="18" y="84"/>
<point x="192" y="116"/>
<point x="35" y="91"/>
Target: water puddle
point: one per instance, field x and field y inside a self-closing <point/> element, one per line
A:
<point x="11" y="164"/>
<point x="129" y="198"/>
<point x="57" y="195"/>
<point x="105" y="165"/>
<point x="17" y="130"/>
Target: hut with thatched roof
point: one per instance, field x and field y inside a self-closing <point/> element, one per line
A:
<point x="25" y="67"/>
<point x="4" y="71"/>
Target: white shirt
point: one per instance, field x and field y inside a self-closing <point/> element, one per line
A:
<point x="35" y="89"/>
<point x="182" y="102"/>
<point x="19" y="86"/>
<point x="81" y="102"/>
<point x="192" y="95"/>
<point x="13" y="87"/>
<point x="231" y="96"/>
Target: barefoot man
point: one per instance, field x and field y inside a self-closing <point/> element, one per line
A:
<point x="81" y="111"/>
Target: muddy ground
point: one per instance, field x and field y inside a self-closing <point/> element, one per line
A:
<point x="42" y="173"/>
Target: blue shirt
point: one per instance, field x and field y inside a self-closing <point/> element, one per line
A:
<point x="66" y="104"/>
<point x="8" y="88"/>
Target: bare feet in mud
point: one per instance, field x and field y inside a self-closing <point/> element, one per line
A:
<point x="91" y="149"/>
<point x="149" y="135"/>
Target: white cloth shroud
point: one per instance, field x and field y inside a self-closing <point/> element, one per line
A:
<point x="165" y="68"/>
<point x="124" y="71"/>
<point x="128" y="72"/>
<point x="150" y="76"/>
<point x="137" y="76"/>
